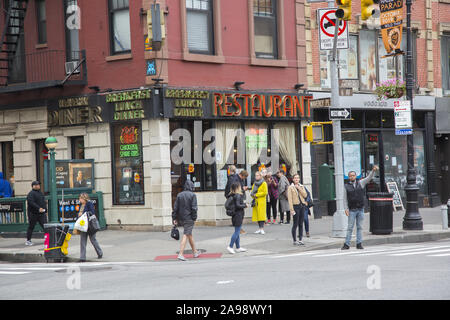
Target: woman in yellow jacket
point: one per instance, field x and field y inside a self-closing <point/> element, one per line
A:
<point x="259" y="195"/>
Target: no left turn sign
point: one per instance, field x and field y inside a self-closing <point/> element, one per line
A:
<point x="327" y="24"/>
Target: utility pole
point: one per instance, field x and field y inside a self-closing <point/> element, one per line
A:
<point x="340" y="220"/>
<point x="412" y="219"/>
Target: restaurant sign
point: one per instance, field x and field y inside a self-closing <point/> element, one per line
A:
<point x="74" y="111"/>
<point x="186" y="103"/>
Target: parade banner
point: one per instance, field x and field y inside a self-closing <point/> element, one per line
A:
<point x="391" y="15"/>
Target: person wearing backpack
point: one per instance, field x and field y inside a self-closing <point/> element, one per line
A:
<point x="235" y="208"/>
<point x="307" y="212"/>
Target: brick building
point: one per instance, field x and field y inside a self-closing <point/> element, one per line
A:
<point x="85" y="72"/>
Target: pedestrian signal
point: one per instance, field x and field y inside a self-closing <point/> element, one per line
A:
<point x="344" y="11"/>
<point x="368" y="9"/>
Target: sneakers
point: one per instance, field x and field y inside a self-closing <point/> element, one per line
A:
<point x="196" y="254"/>
<point x="281" y="222"/>
<point x="241" y="249"/>
<point x="258" y="231"/>
<point x="307" y="234"/>
<point x="359" y="246"/>
<point x="243" y="231"/>
<point x="300" y="243"/>
<point x="182" y="258"/>
<point x="231" y="250"/>
<point x="262" y="232"/>
<point x="28" y="243"/>
<point x="345" y="247"/>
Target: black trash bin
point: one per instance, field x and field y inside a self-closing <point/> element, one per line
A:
<point x="381" y="212"/>
<point x="55" y="234"/>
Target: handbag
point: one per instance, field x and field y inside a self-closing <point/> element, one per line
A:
<point x="94" y="225"/>
<point x="309" y="199"/>
<point x="230" y="206"/>
<point x="175" y="233"/>
<point x="82" y="223"/>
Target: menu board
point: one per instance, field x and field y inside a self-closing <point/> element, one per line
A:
<point x="397" y="201"/>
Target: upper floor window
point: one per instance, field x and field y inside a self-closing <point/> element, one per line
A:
<point x="119" y="21"/>
<point x="445" y="45"/>
<point x="265" y="26"/>
<point x="41" y="21"/>
<point x="199" y="21"/>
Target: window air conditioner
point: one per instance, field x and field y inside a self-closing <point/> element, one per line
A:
<point x="70" y="66"/>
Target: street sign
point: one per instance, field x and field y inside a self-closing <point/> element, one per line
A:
<point x="327" y="23"/>
<point x="402" y="114"/>
<point x="340" y="114"/>
<point x="403" y="132"/>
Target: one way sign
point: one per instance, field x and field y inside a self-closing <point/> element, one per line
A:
<point x="340" y="114"/>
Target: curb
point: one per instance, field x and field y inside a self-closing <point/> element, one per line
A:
<point x="337" y="244"/>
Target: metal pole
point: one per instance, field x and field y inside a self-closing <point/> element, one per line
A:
<point x="412" y="219"/>
<point x="340" y="220"/>
<point x="53" y="201"/>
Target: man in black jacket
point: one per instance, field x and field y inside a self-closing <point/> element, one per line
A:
<point x="37" y="209"/>
<point x="354" y="206"/>
<point x="184" y="214"/>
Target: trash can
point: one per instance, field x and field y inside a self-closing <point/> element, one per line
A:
<point x="56" y="241"/>
<point x="381" y="212"/>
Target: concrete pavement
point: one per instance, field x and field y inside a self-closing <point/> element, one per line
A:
<point x="132" y="246"/>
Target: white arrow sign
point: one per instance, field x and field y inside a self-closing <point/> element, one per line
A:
<point x="340" y="114"/>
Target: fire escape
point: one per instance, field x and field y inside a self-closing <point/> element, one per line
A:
<point x="33" y="70"/>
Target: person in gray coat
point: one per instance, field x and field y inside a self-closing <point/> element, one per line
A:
<point x="283" y="185"/>
<point x="184" y="214"/>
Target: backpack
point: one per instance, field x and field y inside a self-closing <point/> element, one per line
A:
<point x="309" y="199"/>
<point x="230" y="206"/>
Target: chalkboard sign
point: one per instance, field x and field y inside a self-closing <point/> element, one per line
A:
<point x="397" y="201"/>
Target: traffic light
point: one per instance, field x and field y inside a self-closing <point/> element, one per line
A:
<point x="313" y="133"/>
<point x="344" y="11"/>
<point x="367" y="8"/>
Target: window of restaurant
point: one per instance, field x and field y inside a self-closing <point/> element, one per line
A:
<point x="199" y="23"/>
<point x="128" y="173"/>
<point x="265" y="22"/>
<point x="7" y="160"/>
<point x="445" y="54"/>
<point x="119" y="21"/>
<point x="77" y="147"/>
<point x="41" y="156"/>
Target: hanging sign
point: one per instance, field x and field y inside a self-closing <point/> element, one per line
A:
<point x="391" y="14"/>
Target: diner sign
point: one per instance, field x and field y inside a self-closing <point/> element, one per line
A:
<point x="129" y="105"/>
<point x="74" y="111"/>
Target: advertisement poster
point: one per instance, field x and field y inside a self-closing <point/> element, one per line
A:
<point x="391" y="14"/>
<point x="71" y="174"/>
<point x="352" y="157"/>
<point x="348" y="60"/>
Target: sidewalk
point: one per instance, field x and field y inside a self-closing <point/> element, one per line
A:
<point x="130" y="246"/>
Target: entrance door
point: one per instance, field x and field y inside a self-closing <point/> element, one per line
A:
<point x="372" y="158"/>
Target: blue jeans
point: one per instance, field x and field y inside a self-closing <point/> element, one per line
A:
<point x="306" y="220"/>
<point x="235" y="238"/>
<point x="358" y="215"/>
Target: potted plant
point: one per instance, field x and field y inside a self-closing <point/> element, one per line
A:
<point x="392" y="88"/>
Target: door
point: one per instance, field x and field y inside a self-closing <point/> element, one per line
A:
<point x="372" y="158"/>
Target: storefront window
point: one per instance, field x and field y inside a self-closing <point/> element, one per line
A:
<point x="128" y="173"/>
<point x="41" y="155"/>
<point x="7" y="160"/>
<point x="367" y="60"/>
<point x="373" y="119"/>
<point x="387" y="119"/>
<point x="77" y="144"/>
<point x="390" y="67"/>
<point x="355" y="122"/>
<point x="396" y="161"/>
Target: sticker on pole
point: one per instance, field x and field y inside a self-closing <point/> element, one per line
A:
<point x="327" y="25"/>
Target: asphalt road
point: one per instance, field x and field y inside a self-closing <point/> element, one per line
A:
<point x="402" y="271"/>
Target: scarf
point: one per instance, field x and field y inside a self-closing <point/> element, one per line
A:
<point x="256" y="186"/>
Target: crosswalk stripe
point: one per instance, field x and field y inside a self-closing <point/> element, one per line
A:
<point x="297" y="254"/>
<point x="440" y="255"/>
<point x="13" y="272"/>
<point x="376" y="251"/>
<point x="425" y="251"/>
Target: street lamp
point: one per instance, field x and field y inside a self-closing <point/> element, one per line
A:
<point x="51" y="143"/>
<point x="412" y="219"/>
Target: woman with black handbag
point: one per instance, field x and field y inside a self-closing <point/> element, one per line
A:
<point x="237" y="217"/>
<point x="88" y="207"/>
